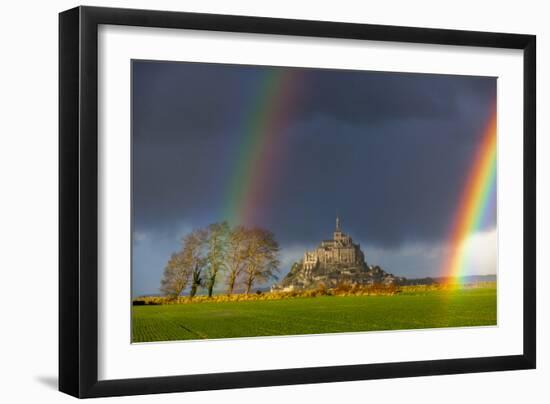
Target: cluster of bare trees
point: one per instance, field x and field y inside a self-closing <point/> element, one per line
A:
<point x="238" y="255"/>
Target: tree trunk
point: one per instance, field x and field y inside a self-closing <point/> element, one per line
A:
<point x="231" y="285"/>
<point x="211" y="283"/>
<point x="249" y="283"/>
<point x="193" y="290"/>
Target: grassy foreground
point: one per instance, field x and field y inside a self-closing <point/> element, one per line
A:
<point x="315" y="315"/>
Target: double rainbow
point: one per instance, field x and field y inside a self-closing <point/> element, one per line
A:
<point x="264" y="127"/>
<point x="474" y="204"/>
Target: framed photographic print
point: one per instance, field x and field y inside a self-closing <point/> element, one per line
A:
<point x="251" y="201"/>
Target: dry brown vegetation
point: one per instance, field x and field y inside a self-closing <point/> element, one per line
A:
<point x="321" y="290"/>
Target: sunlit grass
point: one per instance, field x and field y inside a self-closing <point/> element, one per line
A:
<point x="412" y="308"/>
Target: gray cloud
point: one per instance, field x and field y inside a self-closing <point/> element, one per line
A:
<point x="389" y="152"/>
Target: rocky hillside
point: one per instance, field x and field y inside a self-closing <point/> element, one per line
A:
<point x="332" y="275"/>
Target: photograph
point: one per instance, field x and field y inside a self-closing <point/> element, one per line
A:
<point x="234" y="202"/>
<point x="280" y="201"/>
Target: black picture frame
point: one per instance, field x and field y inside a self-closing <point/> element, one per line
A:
<point x="78" y="201"/>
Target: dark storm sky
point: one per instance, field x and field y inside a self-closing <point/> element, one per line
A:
<point x="388" y="152"/>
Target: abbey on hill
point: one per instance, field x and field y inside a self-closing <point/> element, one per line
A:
<point x="332" y="262"/>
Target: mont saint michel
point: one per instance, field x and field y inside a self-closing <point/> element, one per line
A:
<point x="335" y="261"/>
<point x="240" y="171"/>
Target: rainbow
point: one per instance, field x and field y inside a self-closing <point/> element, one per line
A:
<point x="475" y="202"/>
<point x="264" y="125"/>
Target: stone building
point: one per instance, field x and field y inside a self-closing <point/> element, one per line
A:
<point x="339" y="251"/>
<point x="333" y="262"/>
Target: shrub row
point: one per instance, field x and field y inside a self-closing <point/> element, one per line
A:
<point x="320" y="290"/>
<point x="342" y="289"/>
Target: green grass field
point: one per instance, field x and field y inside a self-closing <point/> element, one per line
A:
<point x="317" y="315"/>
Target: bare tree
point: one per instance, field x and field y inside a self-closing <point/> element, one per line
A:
<point x="176" y="275"/>
<point x="217" y="246"/>
<point x="250" y="255"/>
<point x="235" y="255"/>
<point x="262" y="260"/>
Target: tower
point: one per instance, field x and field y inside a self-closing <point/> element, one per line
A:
<point x="337" y="236"/>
